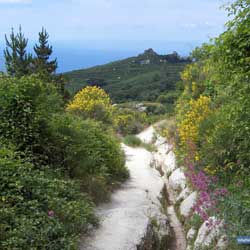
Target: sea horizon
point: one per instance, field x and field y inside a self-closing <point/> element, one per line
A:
<point x="77" y="55"/>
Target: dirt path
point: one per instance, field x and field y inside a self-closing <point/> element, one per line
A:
<point x="125" y="218"/>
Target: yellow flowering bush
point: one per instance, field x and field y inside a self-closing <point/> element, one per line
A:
<point x="92" y="102"/>
<point x="188" y="128"/>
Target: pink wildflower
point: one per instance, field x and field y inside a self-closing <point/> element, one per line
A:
<point x="51" y="213"/>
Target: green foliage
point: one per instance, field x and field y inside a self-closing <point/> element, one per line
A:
<point x="85" y="149"/>
<point x="27" y="105"/>
<point x="58" y="156"/>
<point x="129" y="121"/>
<point x="227" y="132"/>
<point x="132" y="140"/>
<point x="17" y="60"/>
<point x="43" y="51"/>
<point x="37" y="209"/>
<point x="221" y="72"/>
<point x="235" y="209"/>
<point x="168" y="98"/>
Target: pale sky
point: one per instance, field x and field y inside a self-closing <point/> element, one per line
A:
<point x="112" y="22"/>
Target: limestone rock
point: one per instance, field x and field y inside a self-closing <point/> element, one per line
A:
<point x="184" y="194"/>
<point x="191" y="234"/>
<point x="169" y="163"/>
<point x="177" y="180"/>
<point x="187" y="205"/>
<point x="207" y="235"/>
<point x="222" y="243"/>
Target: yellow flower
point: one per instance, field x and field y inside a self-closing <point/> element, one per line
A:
<point x="92" y="102"/>
<point x="188" y="128"/>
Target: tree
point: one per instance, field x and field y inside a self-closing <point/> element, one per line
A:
<point x="43" y="52"/>
<point x="17" y="60"/>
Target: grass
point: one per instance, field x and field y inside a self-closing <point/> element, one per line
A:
<point x="132" y="141"/>
<point x="135" y="142"/>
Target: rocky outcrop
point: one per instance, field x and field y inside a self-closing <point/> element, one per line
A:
<point x="186" y="207"/>
<point x="177" y="181"/>
<point x="208" y="235"/>
<point x="158" y="235"/>
<point x="183" y="198"/>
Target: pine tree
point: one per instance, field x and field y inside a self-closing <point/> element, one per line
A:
<point x="17" y="60"/>
<point x="43" y="52"/>
<point x="10" y="53"/>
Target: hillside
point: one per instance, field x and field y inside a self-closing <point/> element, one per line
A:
<point x="143" y="77"/>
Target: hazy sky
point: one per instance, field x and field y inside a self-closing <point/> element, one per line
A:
<point x="115" y="22"/>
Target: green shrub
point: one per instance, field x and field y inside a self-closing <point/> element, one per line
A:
<point x="235" y="211"/>
<point x="39" y="210"/>
<point x="134" y="141"/>
<point x="26" y="106"/>
<point x="224" y="136"/>
<point x="128" y="120"/>
<point x="83" y="148"/>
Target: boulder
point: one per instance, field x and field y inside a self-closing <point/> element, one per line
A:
<point x="222" y="243"/>
<point x="184" y="194"/>
<point x="177" y="181"/>
<point x="169" y="163"/>
<point x="191" y="234"/>
<point x="186" y="207"/>
<point x="206" y="235"/>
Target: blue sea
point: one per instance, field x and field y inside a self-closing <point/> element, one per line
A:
<point x="72" y="56"/>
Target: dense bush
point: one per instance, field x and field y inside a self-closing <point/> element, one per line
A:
<point x="58" y="158"/>
<point x="26" y="106"/>
<point x="85" y="149"/>
<point x="168" y="101"/>
<point x="37" y="209"/>
<point x="128" y="121"/>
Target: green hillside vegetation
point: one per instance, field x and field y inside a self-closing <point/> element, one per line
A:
<point x="213" y="126"/>
<point x="55" y="164"/>
<point x="141" y="78"/>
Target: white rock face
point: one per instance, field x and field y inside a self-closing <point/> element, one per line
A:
<point x="206" y="235"/>
<point x="184" y="194"/>
<point x="186" y="207"/>
<point x="177" y="181"/>
<point x="191" y="233"/>
<point x="161" y="144"/>
<point x="222" y="243"/>
<point x="169" y="163"/>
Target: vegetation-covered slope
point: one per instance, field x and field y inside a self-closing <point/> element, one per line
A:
<point x="213" y="127"/>
<point x="139" y="78"/>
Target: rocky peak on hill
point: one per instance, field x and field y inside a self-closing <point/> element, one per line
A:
<point x="149" y="56"/>
<point x="150" y="52"/>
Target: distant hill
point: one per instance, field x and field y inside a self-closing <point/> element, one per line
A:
<point x="140" y="78"/>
